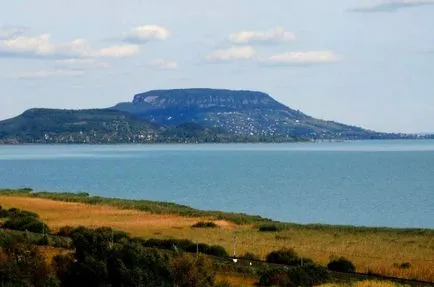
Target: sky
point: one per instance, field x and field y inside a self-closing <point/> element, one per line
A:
<point x="368" y="63"/>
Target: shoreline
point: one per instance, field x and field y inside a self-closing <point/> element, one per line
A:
<point x="167" y="207"/>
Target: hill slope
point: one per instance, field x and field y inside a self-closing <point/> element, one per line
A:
<point x="76" y="126"/>
<point x="238" y="112"/>
<point x="106" y="126"/>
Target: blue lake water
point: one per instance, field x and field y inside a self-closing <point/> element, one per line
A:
<point x="371" y="183"/>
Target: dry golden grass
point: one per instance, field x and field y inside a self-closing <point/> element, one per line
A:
<point x="366" y="283"/>
<point x="374" y="251"/>
<point x="57" y="214"/>
<point x="236" y="279"/>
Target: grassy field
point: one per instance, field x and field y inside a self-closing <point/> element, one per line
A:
<point x="370" y="249"/>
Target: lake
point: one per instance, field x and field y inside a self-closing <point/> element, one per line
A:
<point x="370" y="183"/>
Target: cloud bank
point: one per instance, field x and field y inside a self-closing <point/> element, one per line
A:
<point x="14" y="43"/>
<point x="7" y="32"/>
<point x="43" y="47"/>
<point x="294" y="58"/>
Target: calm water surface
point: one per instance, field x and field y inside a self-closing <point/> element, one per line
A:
<point x="373" y="183"/>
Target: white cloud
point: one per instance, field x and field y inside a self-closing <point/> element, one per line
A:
<point x="7" y="32"/>
<point x="119" y="51"/>
<point x="164" y="64"/>
<point x="39" y="75"/>
<point x="42" y="46"/>
<point x="81" y="64"/>
<point x="392" y="5"/>
<point x="232" y="54"/>
<point x="302" y="58"/>
<point x="276" y="35"/>
<point x="146" y="33"/>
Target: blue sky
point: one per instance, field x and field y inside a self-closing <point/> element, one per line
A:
<point x="368" y="63"/>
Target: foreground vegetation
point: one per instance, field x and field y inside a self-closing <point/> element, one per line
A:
<point x="405" y="253"/>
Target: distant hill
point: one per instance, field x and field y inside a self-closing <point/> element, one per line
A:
<point x="247" y="113"/>
<point x="107" y="126"/>
<point x="76" y="126"/>
<point x="181" y="116"/>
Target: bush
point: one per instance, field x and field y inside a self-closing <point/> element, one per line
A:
<point x="286" y="256"/>
<point x="250" y="256"/>
<point x="13" y="212"/>
<point x="269" y="227"/>
<point x="104" y="257"/>
<point x="187" y="270"/>
<point x="44" y="241"/>
<point x="404" y="265"/>
<point x="215" y="250"/>
<point x="275" y="277"/>
<point x="342" y="265"/>
<point x="23" y="265"/>
<point x="202" y="224"/>
<point x="65" y="231"/>
<point x="186" y="245"/>
<point x="26" y="222"/>
<point x="4" y="213"/>
<point x="309" y="275"/>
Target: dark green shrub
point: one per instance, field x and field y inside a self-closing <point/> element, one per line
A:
<point x="286" y="256"/>
<point x="65" y="231"/>
<point x="341" y="264"/>
<point x="275" y="277"/>
<point x="13" y="212"/>
<point x="44" y="241"/>
<point x="60" y="242"/>
<point x="269" y="227"/>
<point x="4" y="213"/>
<point x="202" y="224"/>
<point x="185" y="245"/>
<point x="308" y="275"/>
<point x="24" y="222"/>
<point x="404" y="265"/>
<point x="250" y="256"/>
<point x="104" y="259"/>
<point x="215" y="250"/>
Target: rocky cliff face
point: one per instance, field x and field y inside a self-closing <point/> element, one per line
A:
<point x="205" y="99"/>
